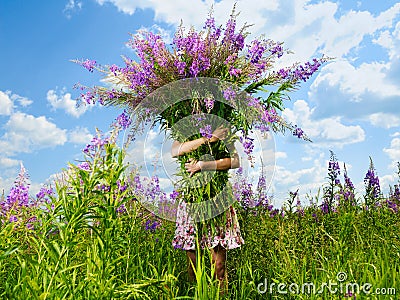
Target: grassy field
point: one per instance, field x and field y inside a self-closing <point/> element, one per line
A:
<point x="89" y="238"/>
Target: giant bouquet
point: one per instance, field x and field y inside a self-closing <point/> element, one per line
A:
<point x="212" y="72"/>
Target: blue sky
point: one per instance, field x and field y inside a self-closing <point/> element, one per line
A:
<point x="351" y="107"/>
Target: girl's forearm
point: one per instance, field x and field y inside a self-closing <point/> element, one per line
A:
<point x="220" y="164"/>
<point x="186" y="147"/>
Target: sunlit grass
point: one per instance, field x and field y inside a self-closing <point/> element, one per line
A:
<point x="91" y="242"/>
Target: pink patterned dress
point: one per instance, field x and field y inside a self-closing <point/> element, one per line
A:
<point x="228" y="236"/>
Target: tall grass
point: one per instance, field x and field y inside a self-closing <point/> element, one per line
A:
<point x="93" y="240"/>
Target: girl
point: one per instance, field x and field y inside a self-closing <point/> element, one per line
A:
<point x="221" y="232"/>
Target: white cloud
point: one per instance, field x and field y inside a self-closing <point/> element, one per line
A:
<point x="355" y="82"/>
<point x="6" y="184"/>
<point x="396" y="134"/>
<point x="328" y="131"/>
<point x="25" y="132"/>
<point x="386" y="181"/>
<point x="280" y="154"/>
<point x="23" y="101"/>
<point x="80" y="136"/>
<point x="305" y="27"/>
<point x="394" y="150"/>
<point x="6" y="105"/>
<point x="384" y="120"/>
<point x="71" y="7"/>
<point x="66" y="103"/>
<point x="9" y="162"/>
<point x="165" y="34"/>
<point x="306" y="180"/>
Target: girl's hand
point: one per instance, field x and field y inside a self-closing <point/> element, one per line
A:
<point x="193" y="166"/>
<point x="219" y="134"/>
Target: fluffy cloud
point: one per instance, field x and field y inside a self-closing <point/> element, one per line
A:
<point x="6" y="105"/>
<point x="6" y="162"/>
<point x="327" y="131"/>
<point x="394" y="150"/>
<point x="306" y="180"/>
<point x="25" y="133"/>
<point x="368" y="90"/>
<point x="80" y="136"/>
<point x="66" y="103"/>
<point x="385" y="120"/>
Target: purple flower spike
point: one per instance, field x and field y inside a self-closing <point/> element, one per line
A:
<point x="206" y="132"/>
<point x="209" y="102"/>
<point x="229" y="94"/>
<point x="89" y="64"/>
<point x="298" y="132"/>
<point x="123" y="120"/>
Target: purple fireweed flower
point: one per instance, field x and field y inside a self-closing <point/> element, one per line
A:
<point x="89" y="64"/>
<point x="121" y="209"/>
<point x="230" y="59"/>
<point x="298" y="132"/>
<point x="347" y="182"/>
<point x="112" y="94"/>
<point x="123" y="120"/>
<point x="174" y="195"/>
<point x="138" y="184"/>
<point x="89" y="97"/>
<point x="85" y="166"/>
<point x="248" y="144"/>
<point x="283" y="73"/>
<point x="18" y="195"/>
<point x="372" y="183"/>
<point x="180" y="65"/>
<point x="121" y="187"/>
<point x="13" y="219"/>
<point x="194" y="69"/>
<point x="209" y="102"/>
<point x="97" y="142"/>
<point x="262" y="127"/>
<point x="392" y="206"/>
<point x="306" y="71"/>
<point x="333" y="168"/>
<point x="278" y="50"/>
<point x="255" y="51"/>
<point x="235" y="72"/>
<point x="103" y="188"/>
<point x="229" y="94"/>
<point x="177" y="246"/>
<point x="210" y="23"/>
<point x="324" y="207"/>
<point x="246" y="194"/>
<point x="253" y="102"/>
<point x="151" y="225"/>
<point x="114" y="69"/>
<point x="206" y="132"/>
<point x="275" y="212"/>
<point x="43" y="192"/>
<point x="261" y="185"/>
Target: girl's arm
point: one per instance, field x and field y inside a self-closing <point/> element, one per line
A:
<point x="213" y="165"/>
<point x="186" y="147"/>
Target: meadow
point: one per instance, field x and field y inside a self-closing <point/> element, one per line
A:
<point x="87" y="236"/>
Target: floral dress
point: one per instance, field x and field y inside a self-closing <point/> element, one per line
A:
<point x="222" y="229"/>
<point x="228" y="236"/>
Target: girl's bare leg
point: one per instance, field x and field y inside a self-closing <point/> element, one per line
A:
<point x="191" y="257"/>
<point x="219" y="260"/>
